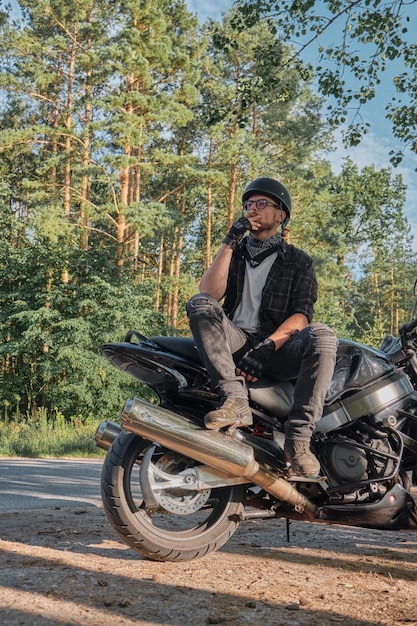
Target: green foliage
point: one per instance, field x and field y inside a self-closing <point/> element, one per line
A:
<point x="48" y="435"/>
<point x="51" y="333"/>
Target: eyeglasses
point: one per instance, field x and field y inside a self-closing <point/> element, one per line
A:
<point x="260" y="204"/>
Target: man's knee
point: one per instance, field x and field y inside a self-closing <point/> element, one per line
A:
<point x="324" y="338"/>
<point x="202" y="304"/>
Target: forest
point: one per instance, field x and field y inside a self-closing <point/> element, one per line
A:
<point x="128" y="132"/>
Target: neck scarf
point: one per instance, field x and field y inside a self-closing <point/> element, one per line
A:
<point x="256" y="250"/>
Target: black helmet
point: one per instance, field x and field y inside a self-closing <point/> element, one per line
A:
<point x="274" y="190"/>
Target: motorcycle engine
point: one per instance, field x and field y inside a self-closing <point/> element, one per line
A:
<point x="353" y="460"/>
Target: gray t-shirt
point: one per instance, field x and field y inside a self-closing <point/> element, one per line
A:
<point x="246" y="315"/>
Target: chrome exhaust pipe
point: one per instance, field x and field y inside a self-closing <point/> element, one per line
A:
<point x="212" y="448"/>
<point x="106" y="433"/>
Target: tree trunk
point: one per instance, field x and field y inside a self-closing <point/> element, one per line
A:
<point x="232" y="193"/>
<point x="68" y="128"/>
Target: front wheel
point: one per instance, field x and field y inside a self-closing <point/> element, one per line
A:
<point x="164" y="524"/>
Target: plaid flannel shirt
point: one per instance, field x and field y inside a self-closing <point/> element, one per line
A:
<point x="290" y="287"/>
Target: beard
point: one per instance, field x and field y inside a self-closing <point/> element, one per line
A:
<point x="267" y="228"/>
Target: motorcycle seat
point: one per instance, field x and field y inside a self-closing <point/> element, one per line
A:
<point x="275" y="397"/>
<point x="184" y="346"/>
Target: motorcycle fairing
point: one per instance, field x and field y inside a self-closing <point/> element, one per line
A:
<point x="382" y="399"/>
<point x="165" y="369"/>
<point x="356" y="367"/>
<point x="395" y="511"/>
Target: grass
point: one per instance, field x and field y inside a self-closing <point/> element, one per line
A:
<point x="48" y="436"/>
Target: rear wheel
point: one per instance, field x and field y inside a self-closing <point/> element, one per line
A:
<point x="158" y="517"/>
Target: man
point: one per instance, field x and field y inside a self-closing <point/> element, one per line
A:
<point x="264" y="327"/>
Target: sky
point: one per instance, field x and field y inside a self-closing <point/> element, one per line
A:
<point x="376" y="145"/>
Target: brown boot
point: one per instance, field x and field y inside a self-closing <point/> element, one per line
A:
<point x="233" y="412"/>
<point x="302" y="460"/>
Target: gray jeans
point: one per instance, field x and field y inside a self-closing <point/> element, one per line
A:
<point x="309" y="356"/>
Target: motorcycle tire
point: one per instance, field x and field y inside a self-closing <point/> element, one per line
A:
<point x="186" y="526"/>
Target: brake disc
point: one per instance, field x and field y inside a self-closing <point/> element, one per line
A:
<point x="176" y="499"/>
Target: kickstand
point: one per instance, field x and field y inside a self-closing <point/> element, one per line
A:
<point x="288" y="529"/>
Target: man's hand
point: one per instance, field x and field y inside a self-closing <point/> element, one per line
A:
<point x="253" y="362"/>
<point x="237" y="231"/>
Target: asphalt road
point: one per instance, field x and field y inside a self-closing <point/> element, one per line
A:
<point x="49" y="483"/>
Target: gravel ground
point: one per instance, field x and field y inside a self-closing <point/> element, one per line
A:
<point x="66" y="566"/>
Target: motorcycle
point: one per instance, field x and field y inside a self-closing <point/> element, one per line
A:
<point x="174" y="491"/>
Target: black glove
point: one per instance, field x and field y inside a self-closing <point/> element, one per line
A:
<point x="253" y="362"/>
<point x="237" y="231"/>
